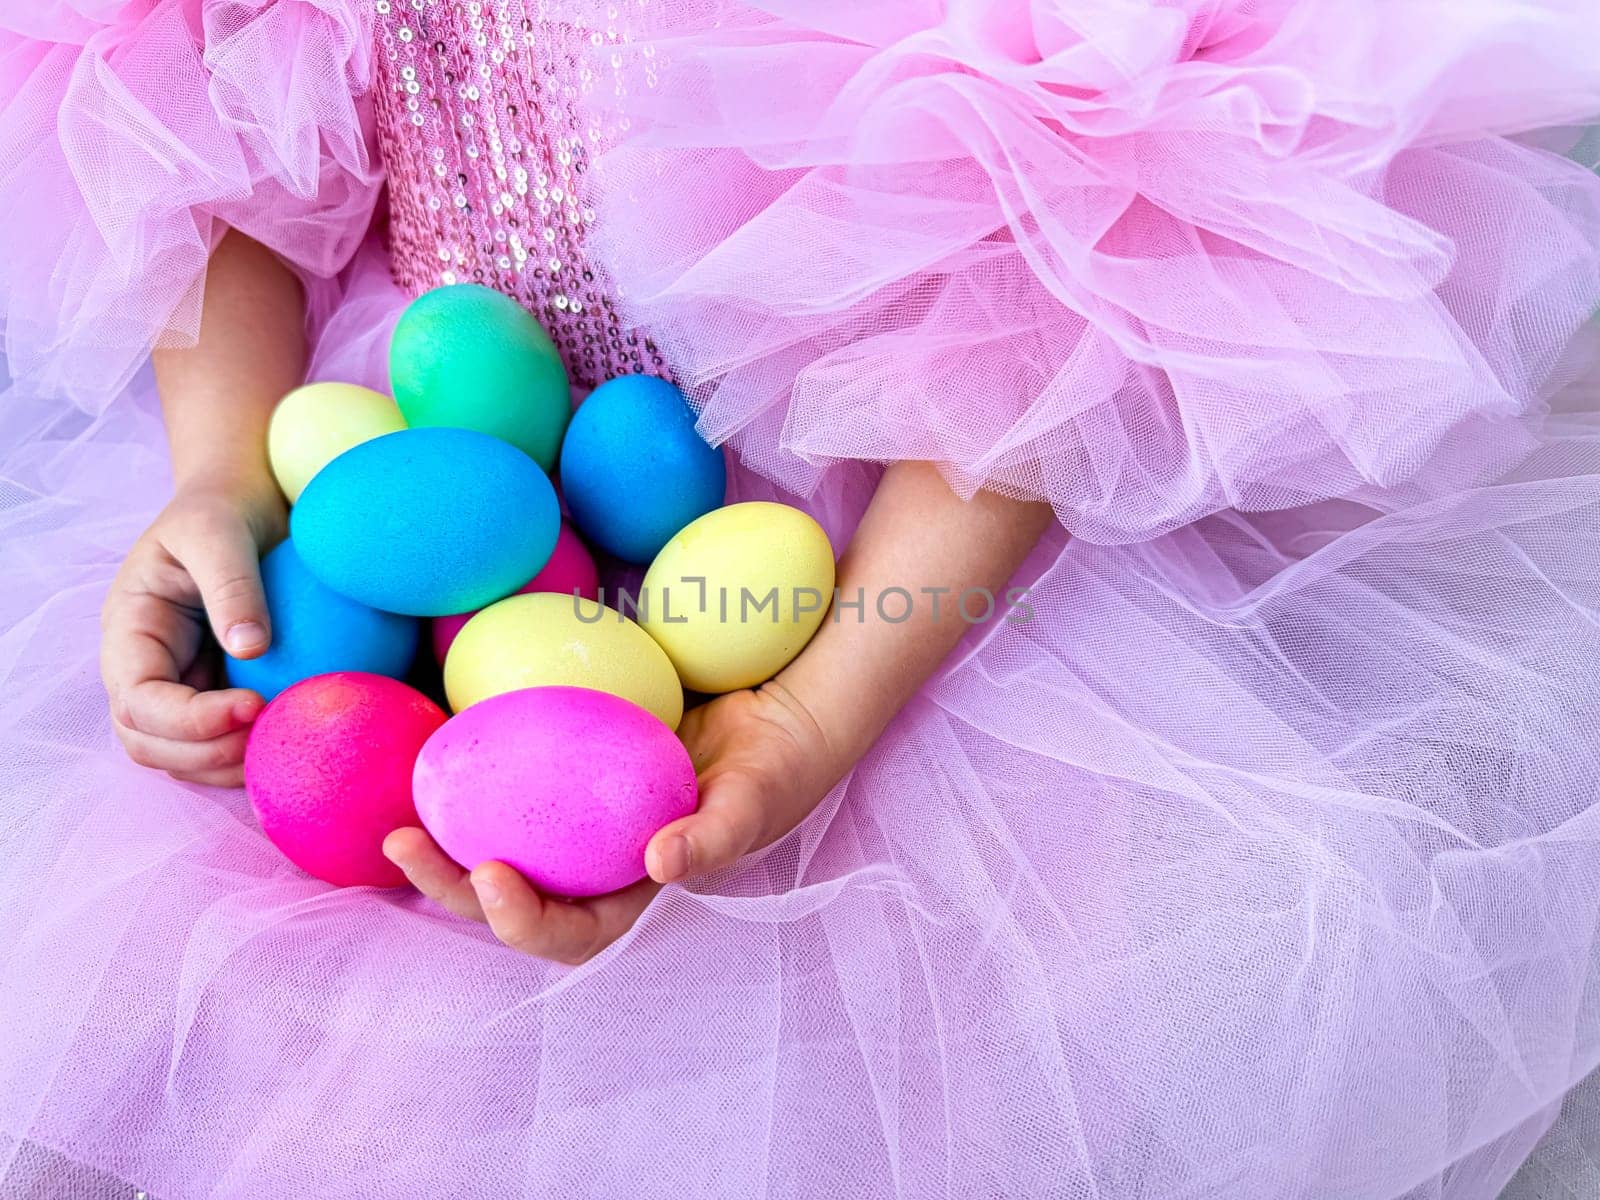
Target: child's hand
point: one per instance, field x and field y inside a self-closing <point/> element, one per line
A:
<point x="763" y="765"/>
<point x="199" y="558"/>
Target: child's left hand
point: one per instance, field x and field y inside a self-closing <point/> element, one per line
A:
<point x="763" y="765"/>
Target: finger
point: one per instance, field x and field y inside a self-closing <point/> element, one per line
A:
<point x="228" y="777"/>
<point x="141" y="670"/>
<point x="726" y="826"/>
<point x="432" y="872"/>
<point x="226" y="567"/>
<point x="564" y="932"/>
<point x="139" y="641"/>
<point x="185" y="758"/>
<point x="177" y="713"/>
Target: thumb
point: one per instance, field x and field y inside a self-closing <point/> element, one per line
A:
<point x="727" y="826"/>
<point x="226" y="569"/>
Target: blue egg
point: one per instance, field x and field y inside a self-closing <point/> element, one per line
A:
<point x="427" y="521"/>
<point x="315" y="630"/>
<point x="633" y="469"/>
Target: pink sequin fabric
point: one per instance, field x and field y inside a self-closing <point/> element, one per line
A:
<point x="484" y="127"/>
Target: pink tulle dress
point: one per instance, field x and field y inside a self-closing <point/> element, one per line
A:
<point x="1263" y="864"/>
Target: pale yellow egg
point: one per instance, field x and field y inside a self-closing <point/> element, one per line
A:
<point x="544" y="639"/>
<point x="316" y="423"/>
<point x="738" y="593"/>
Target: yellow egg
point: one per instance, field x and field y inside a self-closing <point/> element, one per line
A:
<point x="315" y="424"/>
<point x="544" y="639"/>
<point x="738" y="593"/>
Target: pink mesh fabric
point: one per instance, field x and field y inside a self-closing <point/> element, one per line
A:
<point x="1264" y="862"/>
<point x="132" y="133"/>
<point x="1145" y="260"/>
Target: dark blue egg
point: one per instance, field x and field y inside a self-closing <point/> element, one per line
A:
<point x="427" y="521"/>
<point x="315" y="630"/>
<point x="633" y="469"/>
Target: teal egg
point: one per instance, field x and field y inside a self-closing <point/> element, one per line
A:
<point x="427" y="522"/>
<point x="467" y="357"/>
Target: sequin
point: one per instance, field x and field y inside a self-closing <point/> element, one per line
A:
<point x="504" y="124"/>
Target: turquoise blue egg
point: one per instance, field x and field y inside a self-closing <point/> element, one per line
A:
<point x="633" y="469"/>
<point x="427" y="521"/>
<point x="315" y="630"/>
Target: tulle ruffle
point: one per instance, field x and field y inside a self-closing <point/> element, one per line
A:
<point x="1147" y="260"/>
<point x="133" y="134"/>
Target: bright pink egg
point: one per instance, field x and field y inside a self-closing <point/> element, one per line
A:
<point x="571" y="568"/>
<point x="328" y="770"/>
<point x="565" y="784"/>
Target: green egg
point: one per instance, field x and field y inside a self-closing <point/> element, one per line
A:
<point x="467" y="357"/>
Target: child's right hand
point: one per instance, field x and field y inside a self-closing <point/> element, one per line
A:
<point x="199" y="559"/>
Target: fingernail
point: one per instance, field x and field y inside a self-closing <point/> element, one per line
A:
<point x="488" y="893"/>
<point x="672" y="859"/>
<point x="246" y="635"/>
<point x="245" y="712"/>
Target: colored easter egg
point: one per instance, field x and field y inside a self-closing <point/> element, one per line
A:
<point x="548" y="640"/>
<point x="427" y="521"/>
<point x="328" y="770"/>
<point x="736" y="595"/>
<point x="633" y="469"/>
<point x="315" y="424"/>
<point x="316" y="630"/>
<point x="571" y="569"/>
<point x="565" y="784"/>
<point x="468" y="357"/>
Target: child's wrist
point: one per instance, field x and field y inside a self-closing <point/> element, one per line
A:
<point x="254" y="497"/>
<point x="814" y="711"/>
<point x="245" y="483"/>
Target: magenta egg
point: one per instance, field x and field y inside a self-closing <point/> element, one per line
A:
<point x="565" y="784"/>
<point x="328" y="770"/>
<point x="570" y="569"/>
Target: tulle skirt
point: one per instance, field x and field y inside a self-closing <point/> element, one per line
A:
<point x="1263" y="862"/>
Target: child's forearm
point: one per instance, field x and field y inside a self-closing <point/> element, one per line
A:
<point x="218" y="395"/>
<point x="920" y="538"/>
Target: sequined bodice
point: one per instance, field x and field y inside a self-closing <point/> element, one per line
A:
<point x="487" y="127"/>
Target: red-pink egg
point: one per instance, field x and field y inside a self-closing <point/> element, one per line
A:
<point x="328" y="771"/>
<point x="571" y="569"/>
<point x="565" y="784"/>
